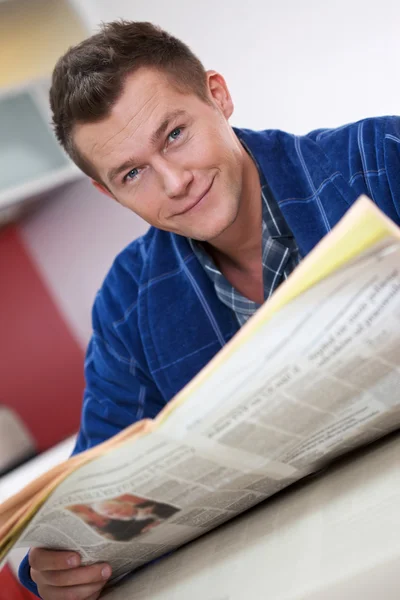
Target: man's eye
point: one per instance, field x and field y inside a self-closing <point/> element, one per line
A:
<point x="131" y="175"/>
<point x="175" y="134"/>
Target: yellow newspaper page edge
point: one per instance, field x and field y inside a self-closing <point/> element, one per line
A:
<point x="363" y="226"/>
<point x="11" y="536"/>
<point x="73" y="463"/>
<point x="10" y="539"/>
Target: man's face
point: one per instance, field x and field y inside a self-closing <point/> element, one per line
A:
<point x="170" y="157"/>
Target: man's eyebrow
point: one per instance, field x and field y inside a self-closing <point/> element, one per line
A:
<point x="113" y="173"/>
<point x="170" y="116"/>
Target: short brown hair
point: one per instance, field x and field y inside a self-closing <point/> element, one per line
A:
<point x="89" y="78"/>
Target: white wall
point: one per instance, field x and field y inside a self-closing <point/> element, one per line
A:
<point x="290" y="64"/>
<point x="73" y="240"/>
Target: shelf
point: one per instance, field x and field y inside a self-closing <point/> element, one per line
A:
<point x="33" y="35"/>
<point x="38" y="187"/>
<point x="32" y="162"/>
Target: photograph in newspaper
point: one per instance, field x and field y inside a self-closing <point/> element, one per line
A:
<point x="123" y="517"/>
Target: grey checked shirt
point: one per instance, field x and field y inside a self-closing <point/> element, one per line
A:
<point x="280" y="256"/>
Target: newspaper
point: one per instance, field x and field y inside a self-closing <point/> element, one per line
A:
<point x="318" y="379"/>
<point x="334" y="538"/>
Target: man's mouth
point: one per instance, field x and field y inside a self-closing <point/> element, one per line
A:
<point x="197" y="201"/>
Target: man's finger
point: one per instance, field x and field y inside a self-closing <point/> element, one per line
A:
<point x="76" y="592"/>
<point x="80" y="576"/>
<point x="41" y="559"/>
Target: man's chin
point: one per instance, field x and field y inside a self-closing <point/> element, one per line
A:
<point x="211" y="231"/>
<point x="204" y="229"/>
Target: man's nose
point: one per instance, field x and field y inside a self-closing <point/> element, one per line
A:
<point x="175" y="178"/>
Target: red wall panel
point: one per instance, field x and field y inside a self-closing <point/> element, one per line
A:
<point x="11" y="589"/>
<point x="41" y="363"/>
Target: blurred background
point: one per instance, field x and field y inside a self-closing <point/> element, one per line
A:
<point x="289" y="65"/>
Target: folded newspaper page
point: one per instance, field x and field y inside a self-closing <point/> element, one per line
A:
<point x="301" y="384"/>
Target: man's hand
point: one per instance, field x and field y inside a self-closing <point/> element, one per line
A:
<point x="59" y="575"/>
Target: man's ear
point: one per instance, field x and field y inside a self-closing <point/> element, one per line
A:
<point x="103" y="189"/>
<point x="219" y="93"/>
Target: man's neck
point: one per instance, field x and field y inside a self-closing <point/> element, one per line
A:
<point x="240" y="244"/>
<point x="238" y="251"/>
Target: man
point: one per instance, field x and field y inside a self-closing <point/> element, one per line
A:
<point x="232" y="212"/>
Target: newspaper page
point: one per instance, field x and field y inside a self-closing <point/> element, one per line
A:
<point x="320" y="378"/>
<point x="325" y="540"/>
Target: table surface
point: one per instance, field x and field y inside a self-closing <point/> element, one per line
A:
<point x="332" y="537"/>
